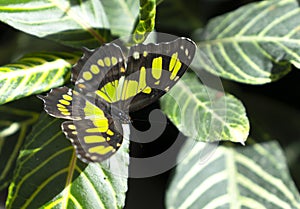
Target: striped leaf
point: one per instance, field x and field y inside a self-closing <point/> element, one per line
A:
<point x="49" y="175"/>
<point x="255" y="176"/>
<point x="205" y="114"/>
<point x="74" y="23"/>
<point x="82" y="23"/>
<point x="146" y="20"/>
<point x="121" y="15"/>
<point x="255" y="44"/>
<point x="34" y="73"/>
<point x="14" y="125"/>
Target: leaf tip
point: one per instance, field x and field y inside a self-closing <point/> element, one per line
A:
<point x="239" y="136"/>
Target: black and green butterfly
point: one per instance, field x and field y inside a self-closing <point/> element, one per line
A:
<point x="107" y="87"/>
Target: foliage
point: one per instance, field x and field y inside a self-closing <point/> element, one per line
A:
<point x="239" y="176"/>
<point x="257" y="43"/>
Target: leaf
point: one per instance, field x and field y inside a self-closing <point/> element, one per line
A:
<point x="121" y="15"/>
<point x="254" y="176"/>
<point x="73" y="23"/>
<point x="34" y="73"/>
<point x="205" y="114"/>
<point x="14" y="125"/>
<point x="146" y="21"/>
<point x="133" y="6"/>
<point x="49" y="175"/>
<point x="255" y="44"/>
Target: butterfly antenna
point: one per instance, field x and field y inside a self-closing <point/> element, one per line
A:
<point x="143" y="120"/>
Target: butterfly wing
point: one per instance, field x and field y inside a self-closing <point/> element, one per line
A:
<point x="98" y="72"/>
<point x="59" y="103"/>
<point x="93" y="132"/>
<point x="94" y="139"/>
<point x="103" y="82"/>
<point x="153" y="69"/>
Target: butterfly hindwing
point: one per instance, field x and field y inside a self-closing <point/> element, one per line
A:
<point x="67" y="103"/>
<point x="94" y="139"/>
<point x="59" y="103"/>
<point x="96" y="135"/>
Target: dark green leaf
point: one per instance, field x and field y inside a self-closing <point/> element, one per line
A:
<point x="14" y="125"/>
<point x="146" y="20"/>
<point x="49" y="175"/>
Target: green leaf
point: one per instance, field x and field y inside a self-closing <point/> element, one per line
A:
<point x="14" y="125"/>
<point x="34" y="73"/>
<point x="146" y="21"/>
<point x="74" y="23"/>
<point x="49" y="175"/>
<point x="133" y="6"/>
<point x="205" y="114"/>
<point x="255" y="44"/>
<point x="121" y="15"/>
<point x="254" y="176"/>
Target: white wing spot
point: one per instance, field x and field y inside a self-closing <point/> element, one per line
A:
<point x="94" y="157"/>
<point x="80" y="80"/>
<point x="181" y="47"/>
<point x="186" y="52"/>
<point x="69" y="92"/>
<point x="136" y="55"/>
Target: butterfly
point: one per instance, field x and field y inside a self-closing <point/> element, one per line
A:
<point x="108" y="86"/>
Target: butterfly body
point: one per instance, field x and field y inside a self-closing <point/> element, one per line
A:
<point x="108" y="86"/>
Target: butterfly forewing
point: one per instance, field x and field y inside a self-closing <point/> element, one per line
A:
<point x="100" y="72"/>
<point x="153" y="69"/>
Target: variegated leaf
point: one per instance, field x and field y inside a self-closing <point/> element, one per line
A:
<point x="34" y="73"/>
<point x="255" y="44"/>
